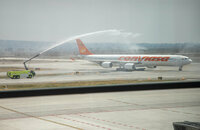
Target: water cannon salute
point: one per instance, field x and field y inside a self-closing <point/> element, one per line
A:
<point x="99" y="64"/>
<point x="68" y="40"/>
<point x="30" y="73"/>
<point x="124" y="62"/>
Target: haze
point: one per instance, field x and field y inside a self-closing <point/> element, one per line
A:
<point x="158" y="21"/>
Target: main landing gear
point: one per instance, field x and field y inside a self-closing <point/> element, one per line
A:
<point x="180" y="68"/>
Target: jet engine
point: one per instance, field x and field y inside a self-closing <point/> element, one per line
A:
<point x="106" y="64"/>
<point x="129" y="66"/>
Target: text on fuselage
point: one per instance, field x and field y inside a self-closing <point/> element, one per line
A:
<point x="144" y="58"/>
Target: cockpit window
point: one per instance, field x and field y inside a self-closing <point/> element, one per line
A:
<point x="184" y="58"/>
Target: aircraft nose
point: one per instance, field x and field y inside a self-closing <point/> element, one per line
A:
<point x="190" y="61"/>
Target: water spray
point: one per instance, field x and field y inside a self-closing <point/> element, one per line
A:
<point x="70" y="39"/>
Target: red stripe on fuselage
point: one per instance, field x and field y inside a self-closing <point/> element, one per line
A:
<point x="144" y="58"/>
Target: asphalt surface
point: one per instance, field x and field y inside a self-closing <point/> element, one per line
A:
<point x="142" y="110"/>
<point x="81" y="70"/>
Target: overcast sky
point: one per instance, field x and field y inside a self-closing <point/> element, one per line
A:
<point x="54" y="20"/>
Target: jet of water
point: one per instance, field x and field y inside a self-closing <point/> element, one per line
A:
<point x="70" y="39"/>
<point x="80" y="36"/>
<point x="112" y="31"/>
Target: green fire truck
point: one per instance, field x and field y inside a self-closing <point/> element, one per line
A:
<point x="21" y="74"/>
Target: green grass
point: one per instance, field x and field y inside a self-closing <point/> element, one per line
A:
<point x="71" y="84"/>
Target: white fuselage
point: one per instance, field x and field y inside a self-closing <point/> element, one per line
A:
<point x="130" y="62"/>
<point x="141" y="60"/>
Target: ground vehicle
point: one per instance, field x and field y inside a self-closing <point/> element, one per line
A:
<point x="21" y="74"/>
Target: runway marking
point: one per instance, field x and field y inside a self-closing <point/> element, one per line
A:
<point x="138" y="109"/>
<point x="28" y="115"/>
<point x="103" y="111"/>
<point x="86" y="123"/>
<point x="164" y="108"/>
<point x="126" y="102"/>
<point x="180" y="112"/>
<point x="113" y="122"/>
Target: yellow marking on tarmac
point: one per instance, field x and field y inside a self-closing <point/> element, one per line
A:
<point x="28" y="115"/>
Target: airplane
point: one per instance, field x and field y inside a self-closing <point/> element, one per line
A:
<point x="132" y="62"/>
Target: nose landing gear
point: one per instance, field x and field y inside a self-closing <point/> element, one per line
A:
<point x="180" y="68"/>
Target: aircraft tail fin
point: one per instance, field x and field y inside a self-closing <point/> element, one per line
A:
<point x="82" y="49"/>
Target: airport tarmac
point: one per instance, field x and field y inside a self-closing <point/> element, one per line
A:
<point x="82" y="70"/>
<point x="132" y="110"/>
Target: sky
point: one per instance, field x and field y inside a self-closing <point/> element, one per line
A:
<point x="157" y="21"/>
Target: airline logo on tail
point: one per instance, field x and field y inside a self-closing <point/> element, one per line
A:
<point x="82" y="49"/>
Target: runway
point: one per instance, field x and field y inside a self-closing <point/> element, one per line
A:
<point x="81" y="70"/>
<point x="142" y="110"/>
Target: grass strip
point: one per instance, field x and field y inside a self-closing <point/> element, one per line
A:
<point x="71" y="84"/>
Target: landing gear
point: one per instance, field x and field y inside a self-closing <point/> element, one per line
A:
<point x="121" y="68"/>
<point x="180" y="68"/>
